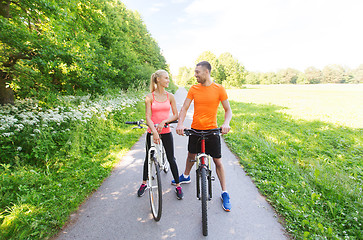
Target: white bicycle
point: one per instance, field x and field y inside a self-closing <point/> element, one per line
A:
<point x="157" y="162"/>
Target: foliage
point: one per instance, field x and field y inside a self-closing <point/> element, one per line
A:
<point x="233" y="72"/>
<point x="73" y="46"/>
<point x="310" y="171"/>
<point x="185" y="76"/>
<point x="76" y="141"/>
<point x="311" y="75"/>
<point x="226" y="70"/>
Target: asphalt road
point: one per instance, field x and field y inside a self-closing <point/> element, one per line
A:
<point x="115" y="212"/>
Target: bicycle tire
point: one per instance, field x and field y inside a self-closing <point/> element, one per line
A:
<point x="204" y="200"/>
<point x="155" y="190"/>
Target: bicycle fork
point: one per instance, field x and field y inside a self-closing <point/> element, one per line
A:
<point x="210" y="178"/>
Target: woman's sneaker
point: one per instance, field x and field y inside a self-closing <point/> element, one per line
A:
<point x="179" y="193"/>
<point x="182" y="180"/>
<point x="141" y="190"/>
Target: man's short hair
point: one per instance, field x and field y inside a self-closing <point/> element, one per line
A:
<point x="206" y="65"/>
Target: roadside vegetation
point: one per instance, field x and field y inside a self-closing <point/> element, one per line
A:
<point x="52" y="159"/>
<point x="311" y="171"/>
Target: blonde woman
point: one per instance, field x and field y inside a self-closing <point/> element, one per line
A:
<point x="158" y="104"/>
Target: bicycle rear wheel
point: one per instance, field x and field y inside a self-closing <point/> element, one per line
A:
<point x="155" y="191"/>
<point x="204" y="200"/>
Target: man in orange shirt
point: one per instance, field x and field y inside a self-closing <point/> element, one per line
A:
<point x="206" y="95"/>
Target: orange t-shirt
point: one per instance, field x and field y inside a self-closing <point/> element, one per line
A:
<point x="206" y="102"/>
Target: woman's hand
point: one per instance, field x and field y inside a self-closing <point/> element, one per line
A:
<point x="160" y="126"/>
<point x="156" y="138"/>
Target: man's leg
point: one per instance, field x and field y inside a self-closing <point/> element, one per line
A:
<point x="226" y="204"/>
<point x="185" y="178"/>
<point x="220" y="172"/>
<point x="189" y="164"/>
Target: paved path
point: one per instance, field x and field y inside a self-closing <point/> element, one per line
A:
<point x="115" y="212"/>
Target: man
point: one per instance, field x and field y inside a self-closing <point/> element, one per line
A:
<point x="206" y="95"/>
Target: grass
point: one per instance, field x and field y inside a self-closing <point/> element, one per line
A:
<point x="310" y="170"/>
<point x="333" y="103"/>
<point x="42" y="187"/>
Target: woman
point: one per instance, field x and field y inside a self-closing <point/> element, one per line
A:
<point x="158" y="103"/>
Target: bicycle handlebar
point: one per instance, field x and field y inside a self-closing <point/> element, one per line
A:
<point x="133" y="123"/>
<point x="142" y="122"/>
<point x="203" y="133"/>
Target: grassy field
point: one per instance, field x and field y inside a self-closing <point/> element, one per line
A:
<point x="334" y="103"/>
<point x="303" y="147"/>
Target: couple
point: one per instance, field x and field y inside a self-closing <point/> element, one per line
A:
<point x="206" y="95"/>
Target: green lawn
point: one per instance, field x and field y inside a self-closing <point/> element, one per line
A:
<point x="334" y="103"/>
<point x="295" y="143"/>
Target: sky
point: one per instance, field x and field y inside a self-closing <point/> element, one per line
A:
<point x="263" y="35"/>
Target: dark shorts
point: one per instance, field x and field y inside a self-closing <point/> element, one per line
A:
<point x="212" y="145"/>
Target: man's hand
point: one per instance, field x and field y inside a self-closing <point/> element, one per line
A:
<point x="180" y="129"/>
<point x="225" y="128"/>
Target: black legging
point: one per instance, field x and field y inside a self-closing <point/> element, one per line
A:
<point x="167" y="139"/>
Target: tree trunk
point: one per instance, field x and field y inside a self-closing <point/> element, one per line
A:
<point x="6" y="93"/>
<point x="4" y="8"/>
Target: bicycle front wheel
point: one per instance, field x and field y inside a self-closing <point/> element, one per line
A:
<point x="155" y="191"/>
<point x="204" y="201"/>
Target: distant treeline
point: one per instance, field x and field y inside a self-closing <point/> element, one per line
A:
<point x="72" y="46"/>
<point x="228" y="71"/>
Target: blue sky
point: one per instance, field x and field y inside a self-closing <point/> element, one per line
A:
<point x="264" y="35"/>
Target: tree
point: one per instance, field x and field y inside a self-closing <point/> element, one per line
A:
<point x="358" y="74"/>
<point x="313" y="75"/>
<point x="185" y="76"/>
<point x="72" y="45"/>
<point x="217" y="70"/>
<point x="233" y="71"/>
<point x="334" y="74"/>
<point x="287" y="76"/>
<point x="25" y="27"/>
<point x="253" y="78"/>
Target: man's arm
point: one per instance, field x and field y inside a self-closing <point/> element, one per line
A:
<point x="182" y="114"/>
<point x="227" y="117"/>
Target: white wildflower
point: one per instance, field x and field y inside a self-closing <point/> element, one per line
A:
<point x="36" y="131"/>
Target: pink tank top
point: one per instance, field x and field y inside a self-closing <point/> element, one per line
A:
<point x="160" y="111"/>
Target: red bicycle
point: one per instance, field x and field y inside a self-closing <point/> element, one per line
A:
<point x="204" y="173"/>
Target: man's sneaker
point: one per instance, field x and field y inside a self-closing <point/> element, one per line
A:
<point x="182" y="180"/>
<point x="225" y="202"/>
<point x="141" y="190"/>
<point x="179" y="193"/>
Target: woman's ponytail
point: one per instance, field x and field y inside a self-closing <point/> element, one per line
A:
<point x="154" y="78"/>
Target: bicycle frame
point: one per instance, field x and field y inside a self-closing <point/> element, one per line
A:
<point x="158" y="151"/>
<point x="203" y="160"/>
